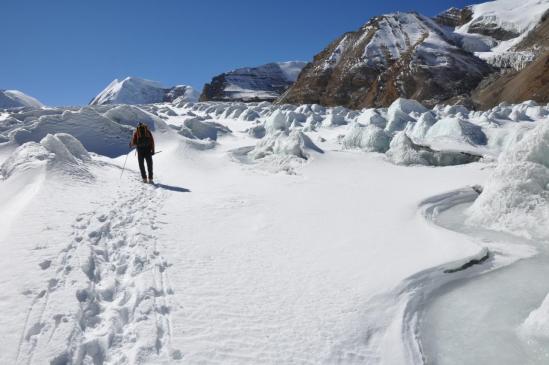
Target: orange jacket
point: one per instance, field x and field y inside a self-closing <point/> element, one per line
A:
<point x="148" y="134"/>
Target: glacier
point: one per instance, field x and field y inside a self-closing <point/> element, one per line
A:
<point x="275" y="233"/>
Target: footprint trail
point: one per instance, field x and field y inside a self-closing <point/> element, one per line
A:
<point x="108" y="295"/>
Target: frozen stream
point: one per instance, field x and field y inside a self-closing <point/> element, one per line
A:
<point x="476" y="320"/>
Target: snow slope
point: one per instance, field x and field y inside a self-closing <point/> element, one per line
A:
<point x="496" y="26"/>
<point x="270" y="236"/>
<point x="16" y="99"/>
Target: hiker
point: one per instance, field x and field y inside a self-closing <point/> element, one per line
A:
<point x="144" y="142"/>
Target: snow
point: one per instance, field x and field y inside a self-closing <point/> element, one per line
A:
<point x="371" y="116"/>
<point x="282" y="144"/>
<point x="386" y="40"/>
<point x="515" y="199"/>
<point x="369" y="138"/>
<point x="15" y="99"/>
<point x="457" y="130"/>
<point x="273" y="235"/>
<point x="537" y="323"/>
<point x="516" y="17"/>
<point x="398" y="114"/>
<point x="196" y="128"/>
<point x="134" y="90"/>
<point x="262" y="82"/>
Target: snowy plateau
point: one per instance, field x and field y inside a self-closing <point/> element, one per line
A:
<point x="275" y="234"/>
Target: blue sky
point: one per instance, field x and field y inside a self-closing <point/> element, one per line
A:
<point x="64" y="52"/>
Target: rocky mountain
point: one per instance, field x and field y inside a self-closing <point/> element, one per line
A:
<point x="16" y="99"/>
<point x="396" y="55"/>
<point x="133" y="90"/>
<point x="262" y="83"/>
<point x="454" y="17"/>
<point x="453" y="57"/>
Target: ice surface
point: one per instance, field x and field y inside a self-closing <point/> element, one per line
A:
<point x="458" y="130"/>
<point x="369" y="138"/>
<point x="371" y="116"/>
<point x="399" y="114"/>
<point x="196" y="128"/>
<point x="536" y="324"/>
<point x="283" y="144"/>
<point x="491" y="328"/>
<point x="29" y="155"/>
<point x="516" y="198"/>
<point x="60" y="150"/>
<point x="95" y="131"/>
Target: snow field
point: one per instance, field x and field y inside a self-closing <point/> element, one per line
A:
<point x="294" y="245"/>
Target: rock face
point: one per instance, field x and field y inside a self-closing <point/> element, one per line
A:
<point x="133" y="90"/>
<point x="454" y="17"/>
<point x="530" y="83"/>
<point x="262" y="83"/>
<point x="16" y="99"/>
<point x="397" y="55"/>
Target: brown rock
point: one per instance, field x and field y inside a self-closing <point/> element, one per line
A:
<point x="406" y="63"/>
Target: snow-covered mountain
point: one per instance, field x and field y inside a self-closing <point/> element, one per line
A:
<point x="134" y="90"/>
<point x="17" y="99"/>
<point x="431" y="60"/>
<point x="261" y="83"/>
<point x="401" y="54"/>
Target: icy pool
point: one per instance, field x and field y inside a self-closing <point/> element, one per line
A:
<point x="476" y="320"/>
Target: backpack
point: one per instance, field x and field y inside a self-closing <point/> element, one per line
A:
<point x="143" y="137"/>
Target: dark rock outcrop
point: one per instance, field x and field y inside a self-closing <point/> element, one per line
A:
<point x="530" y="83"/>
<point x="454" y="17"/>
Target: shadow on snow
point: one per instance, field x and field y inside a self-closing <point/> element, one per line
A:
<point x="172" y="188"/>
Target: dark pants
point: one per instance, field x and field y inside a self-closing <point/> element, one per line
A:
<point x="143" y="156"/>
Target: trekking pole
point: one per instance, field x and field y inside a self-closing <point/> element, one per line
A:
<point x="123" y="167"/>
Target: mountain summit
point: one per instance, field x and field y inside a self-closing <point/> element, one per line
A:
<point x="16" y="99"/>
<point x="396" y="55"/>
<point x="134" y="90"/>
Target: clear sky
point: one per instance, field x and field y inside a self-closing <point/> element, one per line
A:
<point x="64" y="52"/>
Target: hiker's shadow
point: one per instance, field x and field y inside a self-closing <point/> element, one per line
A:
<point x="177" y="189"/>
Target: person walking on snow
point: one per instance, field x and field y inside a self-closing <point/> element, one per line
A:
<point x="143" y="140"/>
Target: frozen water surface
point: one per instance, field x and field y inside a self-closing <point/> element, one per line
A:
<point x="477" y="320"/>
